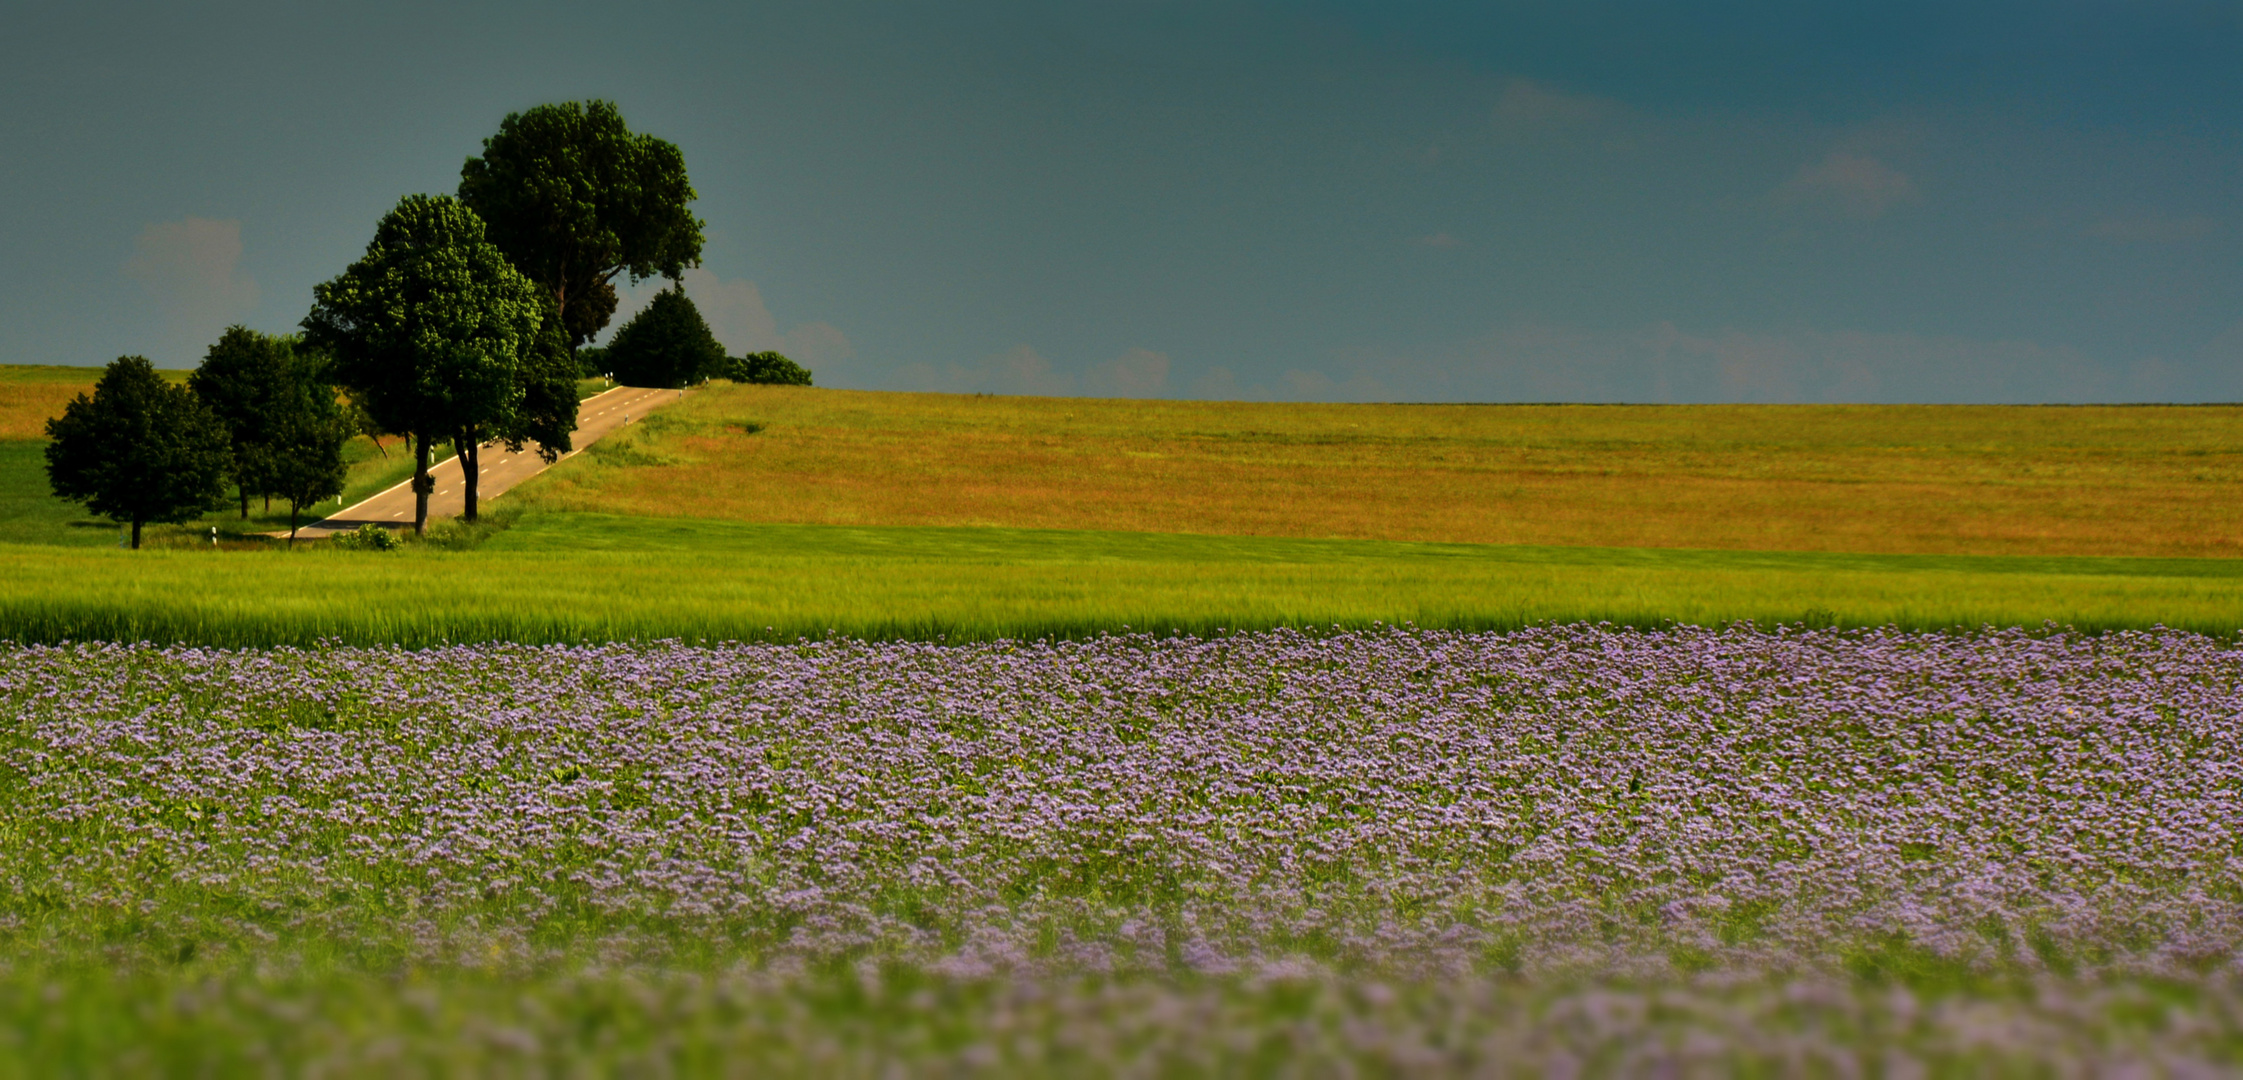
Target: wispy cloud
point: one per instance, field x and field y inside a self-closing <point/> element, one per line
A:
<point x="1137" y="373"/>
<point x="1526" y="105"/>
<point x="1854" y="184"/>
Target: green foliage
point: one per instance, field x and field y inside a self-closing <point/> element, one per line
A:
<point x="574" y="199"/>
<point x="279" y="407"/>
<point x="427" y="328"/>
<point x="667" y="345"/>
<point x="766" y="368"/>
<point x="241" y="379"/>
<point x="357" y="421"/>
<point x="430" y="328"/>
<point x="367" y="537"/>
<point x="591" y="362"/>
<point x="305" y="439"/>
<point x="546" y="413"/>
<point x="139" y="450"/>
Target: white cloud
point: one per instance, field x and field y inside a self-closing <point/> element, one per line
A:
<point x="2153" y="230"/>
<point x="1018" y="370"/>
<point x="192" y="268"/>
<point x="1359" y="385"/>
<point x="735" y="313"/>
<point x="1855" y="184"/>
<point x="1218" y="383"/>
<point x="1138" y="373"/>
<point x="818" y="346"/>
<point x="1527" y="105"/>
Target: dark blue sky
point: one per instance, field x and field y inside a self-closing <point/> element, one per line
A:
<point x="1435" y="201"/>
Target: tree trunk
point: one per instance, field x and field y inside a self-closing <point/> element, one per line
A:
<point x="136" y="533"/>
<point x="291" y="523"/>
<point x="423" y="484"/>
<point x="245" y="502"/>
<point x="471" y="473"/>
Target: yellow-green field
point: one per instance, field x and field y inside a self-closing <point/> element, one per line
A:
<point x="1990" y="480"/>
<point x="752" y="512"/>
<point x="30" y="394"/>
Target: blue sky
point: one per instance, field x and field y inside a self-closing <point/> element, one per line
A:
<point x="1313" y="201"/>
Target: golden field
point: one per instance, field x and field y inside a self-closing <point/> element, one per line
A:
<point x="31" y="394"/>
<point x="1995" y="480"/>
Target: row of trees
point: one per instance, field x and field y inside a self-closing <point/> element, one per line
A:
<point x="460" y="322"/>
<point x="259" y="413"/>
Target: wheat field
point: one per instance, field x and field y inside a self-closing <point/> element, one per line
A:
<point x="1988" y="480"/>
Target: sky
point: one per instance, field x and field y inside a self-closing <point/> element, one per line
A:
<point x="1572" y="200"/>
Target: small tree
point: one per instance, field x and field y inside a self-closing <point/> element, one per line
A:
<point x="305" y="437"/>
<point x="428" y="331"/>
<point x="138" y="450"/>
<point x="667" y="345"/>
<point x="356" y="421"/>
<point x="238" y="380"/>
<point x="766" y="368"/>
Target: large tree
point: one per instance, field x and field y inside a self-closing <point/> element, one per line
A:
<point x="428" y="330"/>
<point x="575" y="199"/>
<point x="239" y="380"/>
<point x="666" y="345"/>
<point x="139" y="450"/>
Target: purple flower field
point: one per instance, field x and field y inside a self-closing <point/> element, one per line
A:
<point x="1506" y="828"/>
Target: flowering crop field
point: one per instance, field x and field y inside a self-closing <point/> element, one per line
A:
<point x="1558" y="850"/>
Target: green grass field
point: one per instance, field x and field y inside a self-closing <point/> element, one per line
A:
<point x="554" y="577"/>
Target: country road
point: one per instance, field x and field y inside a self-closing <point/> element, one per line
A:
<point x="595" y="417"/>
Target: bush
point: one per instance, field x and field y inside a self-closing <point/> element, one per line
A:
<point x="368" y="537"/>
<point x="766" y="368"/>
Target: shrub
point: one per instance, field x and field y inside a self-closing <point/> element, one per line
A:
<point x="368" y="537"/>
<point x="767" y="368"/>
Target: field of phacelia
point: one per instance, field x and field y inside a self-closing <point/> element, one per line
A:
<point x="1571" y="848"/>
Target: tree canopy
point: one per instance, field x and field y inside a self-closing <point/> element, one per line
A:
<point x="666" y="345"/>
<point x="546" y="414"/>
<point x="429" y="329"/>
<point x="574" y="199"/>
<point x="139" y="450"/>
<point x="304" y="436"/>
<point x="245" y="378"/>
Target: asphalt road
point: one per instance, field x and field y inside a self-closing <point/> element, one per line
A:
<point x="595" y="417"/>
